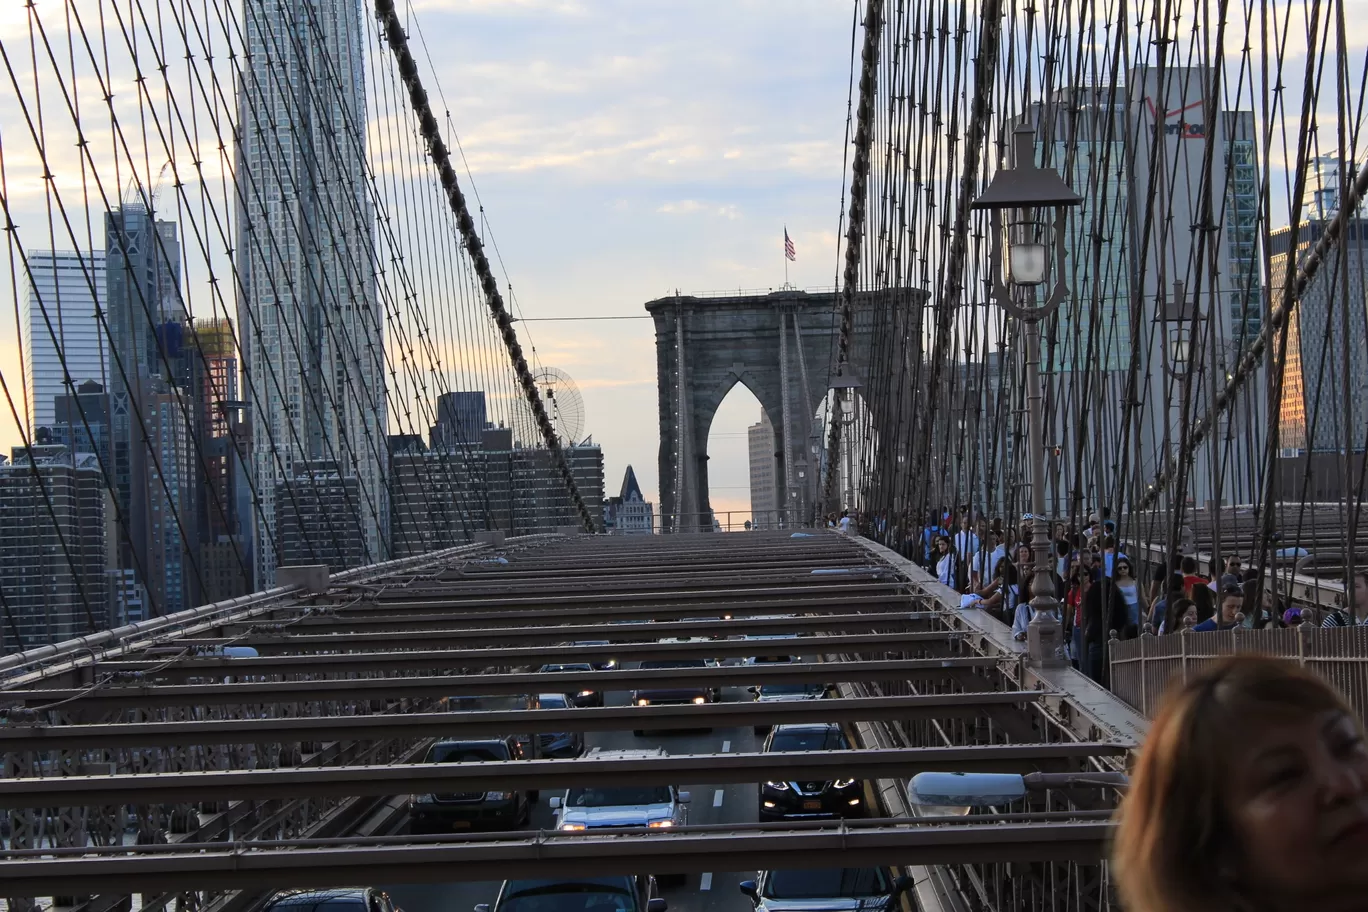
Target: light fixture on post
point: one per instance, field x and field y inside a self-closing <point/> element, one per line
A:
<point x="1182" y="329"/>
<point x="1026" y="206"/>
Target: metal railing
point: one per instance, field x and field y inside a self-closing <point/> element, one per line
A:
<point x="1143" y="669"/>
<point x="727" y="521"/>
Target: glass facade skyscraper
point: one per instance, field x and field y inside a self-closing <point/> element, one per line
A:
<point x="308" y="315"/>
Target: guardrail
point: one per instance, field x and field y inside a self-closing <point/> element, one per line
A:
<point x="1144" y="668"/>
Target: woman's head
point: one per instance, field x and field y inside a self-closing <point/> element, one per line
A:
<point x="1252" y="784"/>
<point x="1181" y="613"/>
<point x="942" y="543"/>
<point x="1124" y="570"/>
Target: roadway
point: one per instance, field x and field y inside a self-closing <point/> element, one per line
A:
<point x="715" y="891"/>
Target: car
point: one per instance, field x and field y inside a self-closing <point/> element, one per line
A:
<point x="652" y="806"/>
<point x="786" y="693"/>
<point x="829" y="889"/>
<point x="673" y="696"/>
<point x="500" y="703"/>
<point x="619" y="893"/>
<point x="584" y="696"/>
<point x="559" y="745"/>
<point x="599" y="664"/>
<point x="648" y="806"/>
<point x="499" y="809"/>
<point x="344" y="899"/>
<point x="800" y="799"/>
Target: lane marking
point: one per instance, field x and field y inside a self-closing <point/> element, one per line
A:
<point x="726" y="746"/>
<point x="705" y="882"/>
<point x="717" y="797"/>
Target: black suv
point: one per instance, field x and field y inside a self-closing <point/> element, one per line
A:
<point x="346" y="899"/>
<point x="830" y="798"/>
<point x="466" y="810"/>
<point x="578" y="894"/>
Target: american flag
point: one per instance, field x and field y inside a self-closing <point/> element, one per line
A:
<point x="789" y="250"/>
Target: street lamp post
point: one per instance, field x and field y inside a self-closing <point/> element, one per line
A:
<point x="1025" y="196"/>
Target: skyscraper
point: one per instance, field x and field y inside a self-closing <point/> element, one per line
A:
<point x="1218" y="270"/>
<point x="58" y="314"/>
<point x="764" y="494"/>
<point x="1317" y="383"/>
<point x="225" y="516"/>
<point x="307" y="309"/>
<point x="52" y="547"/>
<point x="151" y="415"/>
<point x="461" y="420"/>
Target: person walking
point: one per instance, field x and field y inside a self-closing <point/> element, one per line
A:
<point x="1341" y="617"/>
<point x="1232" y="600"/>
<point x="1250" y="794"/>
<point x="1103" y="611"/>
<point x="1137" y="608"/>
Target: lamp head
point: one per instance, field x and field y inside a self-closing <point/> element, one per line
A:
<point x="964" y="791"/>
<point x="1025" y="186"/>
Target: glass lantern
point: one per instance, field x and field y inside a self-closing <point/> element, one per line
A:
<point x="1027" y="249"/>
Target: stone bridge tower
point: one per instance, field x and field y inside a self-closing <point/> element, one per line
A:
<point x="782" y="346"/>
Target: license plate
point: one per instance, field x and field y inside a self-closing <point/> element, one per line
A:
<point x="812" y="805"/>
<point x="460" y="824"/>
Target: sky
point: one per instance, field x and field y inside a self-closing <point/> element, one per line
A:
<point x="624" y="149"/>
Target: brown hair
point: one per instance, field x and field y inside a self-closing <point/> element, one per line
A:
<point x="1176" y="850"/>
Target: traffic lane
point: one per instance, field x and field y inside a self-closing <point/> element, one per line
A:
<point x="717" y="891"/>
<point x="462" y="897"/>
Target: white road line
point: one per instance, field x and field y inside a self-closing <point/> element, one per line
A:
<point x="726" y="746"/>
<point x="705" y="882"/>
<point x="717" y="797"/>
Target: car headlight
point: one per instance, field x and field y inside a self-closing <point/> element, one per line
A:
<point x="611" y="663"/>
<point x="496" y="796"/>
<point x="572" y="826"/>
<point x="586" y="693"/>
<point x="843" y="783"/>
<point x="420" y="799"/>
<point x="642" y="701"/>
<point x="660" y="824"/>
<point x="777" y="786"/>
<point x="699" y="701"/>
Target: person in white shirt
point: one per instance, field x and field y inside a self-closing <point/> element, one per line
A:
<point x="844" y="524"/>
<point x="983" y="566"/>
<point x="965" y="540"/>
<point x="946" y="565"/>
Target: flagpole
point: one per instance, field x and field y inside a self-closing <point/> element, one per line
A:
<point x="786" y="261"/>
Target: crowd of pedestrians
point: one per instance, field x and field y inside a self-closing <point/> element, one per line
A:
<point x="1102" y="590"/>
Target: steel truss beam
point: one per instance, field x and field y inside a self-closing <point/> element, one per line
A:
<point x="472" y="724"/>
<point x="729" y="577"/>
<point x="545" y="855"/>
<point x="699" y="769"/>
<point x="451" y="609"/>
<point x="960" y="670"/>
<point x="438" y="636"/>
<point x="852" y="591"/>
<point x="355" y="662"/>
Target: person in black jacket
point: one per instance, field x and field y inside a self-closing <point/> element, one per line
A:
<point x="1104" y="610"/>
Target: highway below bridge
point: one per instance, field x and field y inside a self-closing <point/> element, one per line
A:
<point x="206" y="760"/>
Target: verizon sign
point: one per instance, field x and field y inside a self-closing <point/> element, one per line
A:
<point x="1176" y="123"/>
